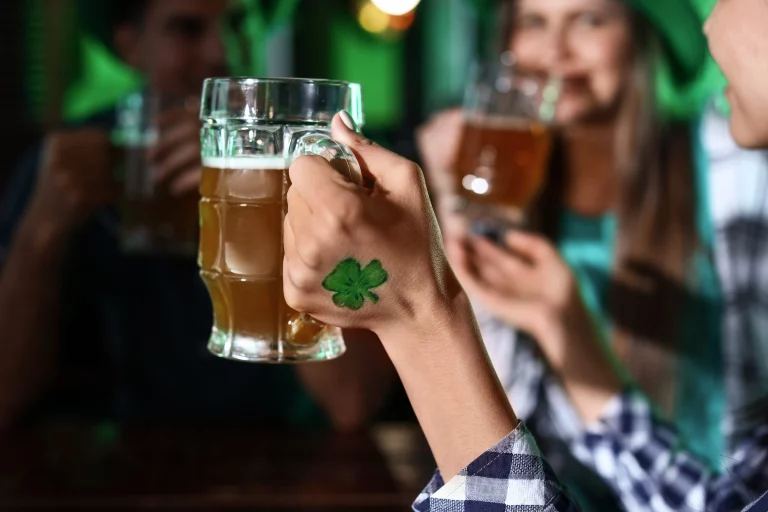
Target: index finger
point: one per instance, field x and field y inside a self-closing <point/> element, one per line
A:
<point x="317" y="181"/>
<point x="390" y="171"/>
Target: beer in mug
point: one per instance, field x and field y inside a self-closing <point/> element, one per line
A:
<point x="153" y="220"/>
<point x="252" y="130"/>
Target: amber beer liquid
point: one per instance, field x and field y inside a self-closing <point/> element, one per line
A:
<point x="242" y="207"/>
<point x="502" y="162"/>
<point x="252" y="129"/>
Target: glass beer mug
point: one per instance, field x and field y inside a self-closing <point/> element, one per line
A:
<point x="505" y="145"/>
<point x="153" y="220"/>
<point x="252" y="130"/>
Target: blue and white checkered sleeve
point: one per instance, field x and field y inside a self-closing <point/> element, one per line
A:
<point x="644" y="460"/>
<point x="511" y="476"/>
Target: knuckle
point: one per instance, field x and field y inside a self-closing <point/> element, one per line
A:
<point x="352" y="208"/>
<point x="345" y="212"/>
<point x="294" y="298"/>
<point x="301" y="276"/>
<point x="311" y="252"/>
<point x="361" y="142"/>
<point x="313" y="257"/>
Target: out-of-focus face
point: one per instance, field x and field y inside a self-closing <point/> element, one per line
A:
<point x="178" y="45"/>
<point x="738" y="41"/>
<point x="586" y="42"/>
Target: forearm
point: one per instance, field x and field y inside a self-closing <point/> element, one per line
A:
<point x="451" y="384"/>
<point x="30" y="285"/>
<point x="351" y="388"/>
<point x="585" y="369"/>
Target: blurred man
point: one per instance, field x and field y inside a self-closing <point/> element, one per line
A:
<point x="91" y="331"/>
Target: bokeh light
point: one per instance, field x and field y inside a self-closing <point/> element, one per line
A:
<point x="396" y="7"/>
<point x="372" y="19"/>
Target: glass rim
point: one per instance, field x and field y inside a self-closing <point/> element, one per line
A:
<point x="280" y="80"/>
<point x="279" y="100"/>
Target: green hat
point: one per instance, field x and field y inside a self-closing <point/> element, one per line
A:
<point x="680" y="28"/>
<point x="686" y="75"/>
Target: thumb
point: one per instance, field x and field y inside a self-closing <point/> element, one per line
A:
<point x="389" y="170"/>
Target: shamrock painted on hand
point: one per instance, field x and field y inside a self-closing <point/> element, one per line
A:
<point x="351" y="283"/>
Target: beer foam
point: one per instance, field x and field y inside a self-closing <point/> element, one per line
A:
<point x="247" y="163"/>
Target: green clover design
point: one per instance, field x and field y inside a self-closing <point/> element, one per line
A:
<point x="351" y="283"/>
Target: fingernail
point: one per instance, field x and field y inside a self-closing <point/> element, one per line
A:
<point x="347" y="120"/>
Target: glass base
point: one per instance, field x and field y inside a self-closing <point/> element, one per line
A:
<point x="254" y="350"/>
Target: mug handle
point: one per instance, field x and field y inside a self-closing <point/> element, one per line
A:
<point x="303" y="330"/>
<point x="338" y="155"/>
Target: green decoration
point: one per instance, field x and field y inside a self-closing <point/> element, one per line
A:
<point x="351" y="283"/>
<point x="374" y="63"/>
<point x="261" y="24"/>
<point x="103" y="79"/>
<point x="282" y="14"/>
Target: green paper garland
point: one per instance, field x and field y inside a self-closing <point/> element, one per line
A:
<point x="103" y="78"/>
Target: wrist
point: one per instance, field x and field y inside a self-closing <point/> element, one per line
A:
<point x="563" y="327"/>
<point x="439" y="355"/>
<point x="583" y="364"/>
<point x="431" y="312"/>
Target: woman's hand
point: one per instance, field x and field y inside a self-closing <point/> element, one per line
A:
<point x="529" y="286"/>
<point x="375" y="260"/>
<point x="377" y="255"/>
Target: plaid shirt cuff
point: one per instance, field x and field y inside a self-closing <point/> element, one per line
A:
<point x="642" y="457"/>
<point x="638" y="455"/>
<point x="512" y="475"/>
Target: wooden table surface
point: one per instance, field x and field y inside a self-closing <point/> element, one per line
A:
<point x="102" y="467"/>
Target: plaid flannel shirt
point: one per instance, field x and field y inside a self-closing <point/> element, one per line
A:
<point x="638" y="454"/>
<point x="738" y="196"/>
<point x="643" y="459"/>
<point x="510" y="477"/>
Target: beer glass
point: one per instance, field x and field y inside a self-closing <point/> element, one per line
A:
<point x="153" y="221"/>
<point x="252" y="130"/>
<point x="505" y="145"/>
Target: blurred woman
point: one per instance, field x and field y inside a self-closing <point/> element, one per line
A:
<point x="626" y="206"/>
